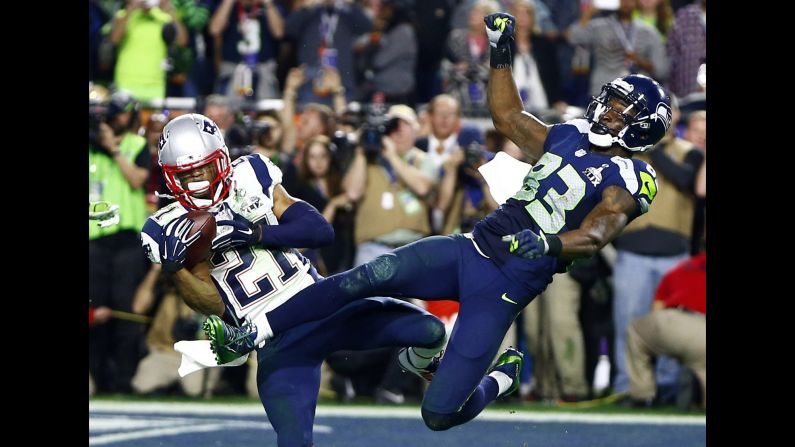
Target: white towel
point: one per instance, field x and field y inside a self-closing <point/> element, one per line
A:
<point x="504" y="175"/>
<point x="197" y="355"/>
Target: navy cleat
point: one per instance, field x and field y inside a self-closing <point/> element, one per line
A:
<point x="427" y="372"/>
<point x="509" y="363"/>
<point x="229" y="342"/>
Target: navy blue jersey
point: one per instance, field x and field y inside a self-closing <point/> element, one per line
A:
<point x="562" y="188"/>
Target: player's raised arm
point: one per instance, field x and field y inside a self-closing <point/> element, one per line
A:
<point x="505" y="105"/>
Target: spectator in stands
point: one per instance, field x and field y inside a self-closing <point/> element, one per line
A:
<point x="657" y="14"/>
<point x="190" y="65"/>
<point x="535" y="67"/>
<point x="218" y="109"/>
<point x="563" y="13"/>
<point x="322" y="33"/>
<point x="316" y="119"/>
<point x="399" y="177"/>
<point x="433" y="25"/>
<point x="155" y="183"/>
<point x="445" y="117"/>
<point x="555" y="340"/>
<point x="464" y="196"/>
<point x="466" y="70"/>
<point x="696" y="133"/>
<point x="267" y="136"/>
<point x="138" y="32"/>
<point x="696" y="130"/>
<point x="391" y="54"/>
<point x="250" y="31"/>
<point x="621" y="45"/>
<point x="97" y="18"/>
<point x="173" y="321"/>
<point x="676" y="327"/>
<point x="118" y="166"/>
<point x="654" y="243"/>
<point x="687" y="48"/>
<point x="323" y="184"/>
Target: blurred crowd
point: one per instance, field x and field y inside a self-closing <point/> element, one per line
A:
<point x="376" y="113"/>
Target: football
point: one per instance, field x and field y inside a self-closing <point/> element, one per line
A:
<point x="200" y="249"/>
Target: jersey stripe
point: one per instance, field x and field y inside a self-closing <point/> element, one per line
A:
<point x="261" y="171"/>
<point x="627" y="171"/>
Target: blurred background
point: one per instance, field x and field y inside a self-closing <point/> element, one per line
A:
<point x="316" y="85"/>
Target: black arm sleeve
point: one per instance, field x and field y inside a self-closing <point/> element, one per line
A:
<point x="144" y="159"/>
<point x="683" y="175"/>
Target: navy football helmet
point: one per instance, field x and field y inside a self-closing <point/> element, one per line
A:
<point x="647" y="116"/>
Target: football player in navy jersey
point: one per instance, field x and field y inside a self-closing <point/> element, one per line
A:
<point x="253" y="267"/>
<point x="582" y="190"/>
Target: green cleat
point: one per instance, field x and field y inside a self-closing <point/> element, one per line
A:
<point x="229" y="342"/>
<point x="509" y="363"/>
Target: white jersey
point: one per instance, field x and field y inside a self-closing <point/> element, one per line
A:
<point x="251" y="280"/>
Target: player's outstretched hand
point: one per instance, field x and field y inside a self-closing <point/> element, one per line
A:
<point x="237" y="231"/>
<point x="527" y="244"/>
<point x="499" y="28"/>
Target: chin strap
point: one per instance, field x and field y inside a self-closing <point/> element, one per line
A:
<point x="601" y="140"/>
<point x="164" y="196"/>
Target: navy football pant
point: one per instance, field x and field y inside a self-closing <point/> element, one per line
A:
<point x="434" y="268"/>
<point x="288" y="372"/>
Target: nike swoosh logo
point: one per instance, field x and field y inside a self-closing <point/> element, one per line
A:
<point x="246" y="231"/>
<point x="505" y="298"/>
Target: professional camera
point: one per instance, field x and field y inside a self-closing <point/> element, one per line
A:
<point x="97" y="113"/>
<point x="238" y="138"/>
<point x="373" y="129"/>
<point x="472" y="143"/>
<point x="376" y="125"/>
<point x="98" y="97"/>
<point x="260" y="132"/>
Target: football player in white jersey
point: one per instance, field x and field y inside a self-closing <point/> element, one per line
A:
<point x="253" y="268"/>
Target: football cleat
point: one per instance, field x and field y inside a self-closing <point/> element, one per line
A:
<point x="229" y="342"/>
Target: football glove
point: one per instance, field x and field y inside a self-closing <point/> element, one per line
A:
<point x="175" y="243"/>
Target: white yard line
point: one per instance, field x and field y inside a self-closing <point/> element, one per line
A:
<point x="382" y="412"/>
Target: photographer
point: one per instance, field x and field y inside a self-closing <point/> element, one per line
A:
<point x="464" y="196"/>
<point x="399" y="180"/>
<point x="266" y="136"/>
<point x="118" y="166"/>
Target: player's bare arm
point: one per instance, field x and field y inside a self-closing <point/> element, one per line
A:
<point x="198" y="291"/>
<point x="600" y="226"/>
<point x="505" y="104"/>
<point x="509" y="116"/>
